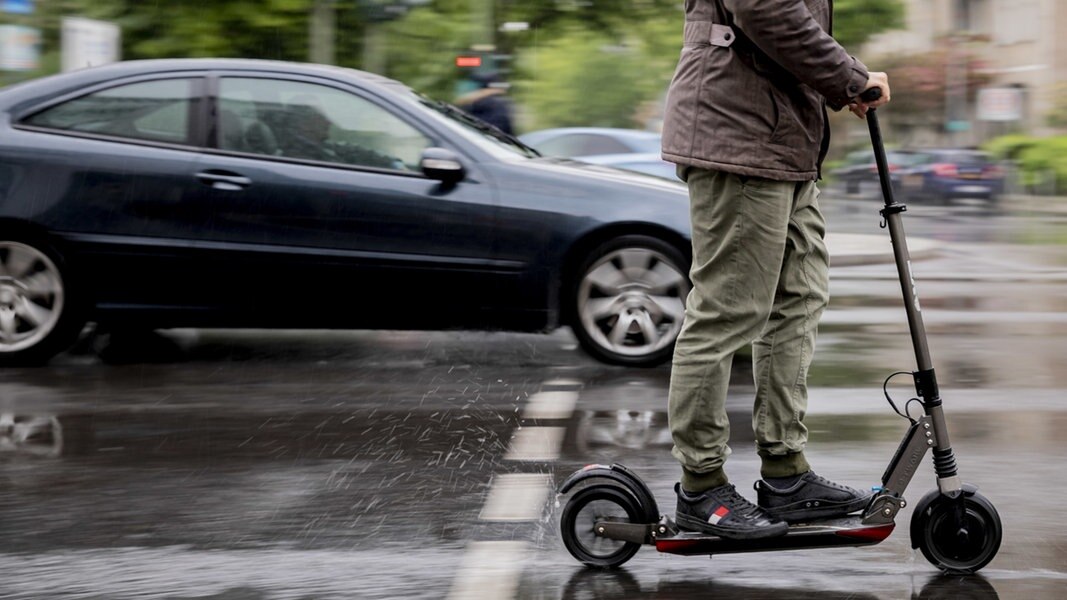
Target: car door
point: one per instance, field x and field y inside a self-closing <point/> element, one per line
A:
<point x="111" y="170"/>
<point x="319" y="211"/>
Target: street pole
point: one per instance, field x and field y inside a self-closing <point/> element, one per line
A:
<point x="321" y="28"/>
<point x="484" y="34"/>
<point x="374" y="48"/>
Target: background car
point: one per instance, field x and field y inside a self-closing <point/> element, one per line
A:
<point x="859" y="173"/>
<point x="945" y="176"/>
<point x="628" y="149"/>
<point x="577" y="142"/>
<point x="647" y="163"/>
<point x="236" y="193"/>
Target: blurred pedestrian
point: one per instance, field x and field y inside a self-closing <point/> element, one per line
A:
<point x="746" y="124"/>
<point x="489" y="102"/>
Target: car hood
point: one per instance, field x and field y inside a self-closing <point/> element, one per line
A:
<point x="592" y="193"/>
<point x="611" y="176"/>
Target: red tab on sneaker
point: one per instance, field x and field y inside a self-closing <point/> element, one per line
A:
<point x="719" y="514"/>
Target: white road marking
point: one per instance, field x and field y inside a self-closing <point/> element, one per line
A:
<point x="551" y="405"/>
<point x="516" y="497"/>
<point x="536" y="444"/>
<point x="489" y="570"/>
<point x="562" y="385"/>
<point x="493" y="569"/>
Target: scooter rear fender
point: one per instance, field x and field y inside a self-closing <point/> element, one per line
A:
<point x="622" y="476"/>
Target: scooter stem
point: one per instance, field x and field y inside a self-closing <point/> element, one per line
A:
<point x="925" y="378"/>
<point x="891" y="214"/>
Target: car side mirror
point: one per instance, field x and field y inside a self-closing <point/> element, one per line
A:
<point x="442" y="165"/>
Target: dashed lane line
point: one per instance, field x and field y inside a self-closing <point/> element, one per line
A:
<point x="540" y="444"/>
<point x="489" y="570"/>
<point x="516" y="497"/>
<point x="551" y="405"/>
<point x="492" y="569"/>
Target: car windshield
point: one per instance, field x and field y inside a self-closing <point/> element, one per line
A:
<point x="483" y="134"/>
<point x="904" y="159"/>
<point x="966" y="158"/>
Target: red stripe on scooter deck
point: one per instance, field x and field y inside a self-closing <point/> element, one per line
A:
<point x="842" y="532"/>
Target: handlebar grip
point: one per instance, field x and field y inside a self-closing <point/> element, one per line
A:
<point x="871" y="94"/>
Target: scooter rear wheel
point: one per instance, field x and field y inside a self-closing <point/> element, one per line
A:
<point x="954" y="541"/>
<point x="594" y="504"/>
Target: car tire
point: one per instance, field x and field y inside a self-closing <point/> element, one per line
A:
<point x="627" y="300"/>
<point x="40" y="312"/>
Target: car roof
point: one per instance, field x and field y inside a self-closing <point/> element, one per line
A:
<point x="73" y="80"/>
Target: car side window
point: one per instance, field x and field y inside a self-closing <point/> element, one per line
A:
<point x="293" y="119"/>
<point x="155" y="111"/>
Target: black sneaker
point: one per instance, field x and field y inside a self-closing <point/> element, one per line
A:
<point x="811" y="497"/>
<point x="723" y="512"/>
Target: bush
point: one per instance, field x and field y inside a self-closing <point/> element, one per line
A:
<point x="1042" y="162"/>
<point x="1009" y="147"/>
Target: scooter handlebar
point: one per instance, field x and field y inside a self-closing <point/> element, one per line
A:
<point x="871" y="94"/>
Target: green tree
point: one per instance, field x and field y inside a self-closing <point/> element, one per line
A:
<point x="919" y="83"/>
<point x="855" y="21"/>
<point x="595" y="66"/>
<point x="583" y="79"/>
<point x="579" y="61"/>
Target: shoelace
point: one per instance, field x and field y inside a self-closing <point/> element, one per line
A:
<point x="738" y="503"/>
<point x="824" y="481"/>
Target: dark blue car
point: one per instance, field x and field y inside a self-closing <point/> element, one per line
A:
<point x="945" y="176"/>
<point x="235" y="193"/>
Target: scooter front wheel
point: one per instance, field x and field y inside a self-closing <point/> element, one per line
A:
<point x="598" y="504"/>
<point x="957" y="535"/>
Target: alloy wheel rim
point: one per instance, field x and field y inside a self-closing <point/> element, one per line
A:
<point x="31" y="296"/>
<point x="632" y="301"/>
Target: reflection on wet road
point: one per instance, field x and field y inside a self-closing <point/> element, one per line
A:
<point x="263" y="465"/>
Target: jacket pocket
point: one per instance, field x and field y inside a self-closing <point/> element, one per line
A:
<point x="788" y="130"/>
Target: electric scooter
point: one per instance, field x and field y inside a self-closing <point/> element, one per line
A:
<point x="612" y="513"/>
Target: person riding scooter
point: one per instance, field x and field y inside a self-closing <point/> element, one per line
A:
<point x="746" y="124"/>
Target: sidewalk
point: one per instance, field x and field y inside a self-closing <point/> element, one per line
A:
<point x="1056" y="205"/>
<point x="851" y="249"/>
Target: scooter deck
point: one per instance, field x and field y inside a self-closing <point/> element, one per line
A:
<point x="846" y="531"/>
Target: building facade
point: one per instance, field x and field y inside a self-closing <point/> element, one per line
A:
<point x="1022" y="45"/>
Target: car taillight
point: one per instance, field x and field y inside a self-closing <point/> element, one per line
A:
<point x="944" y="169"/>
<point x="892" y="168"/>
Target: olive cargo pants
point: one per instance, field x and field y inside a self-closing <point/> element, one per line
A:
<point x="760" y="276"/>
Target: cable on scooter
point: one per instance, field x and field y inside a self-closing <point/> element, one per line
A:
<point x="885" y="390"/>
<point x="907" y="409"/>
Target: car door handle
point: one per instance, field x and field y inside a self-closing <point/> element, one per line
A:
<point x="224" y="180"/>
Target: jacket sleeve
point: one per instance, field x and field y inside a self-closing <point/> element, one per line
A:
<point x="786" y="31"/>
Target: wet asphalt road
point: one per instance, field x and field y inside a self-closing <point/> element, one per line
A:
<point x="263" y="465"/>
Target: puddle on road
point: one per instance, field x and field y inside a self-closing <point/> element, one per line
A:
<point x="333" y="471"/>
<point x="326" y="476"/>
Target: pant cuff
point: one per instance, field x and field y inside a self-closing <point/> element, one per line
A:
<point x="783" y="465"/>
<point x="700" y="482"/>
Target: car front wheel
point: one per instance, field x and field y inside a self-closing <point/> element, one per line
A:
<point x="38" y="316"/>
<point x="628" y="300"/>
